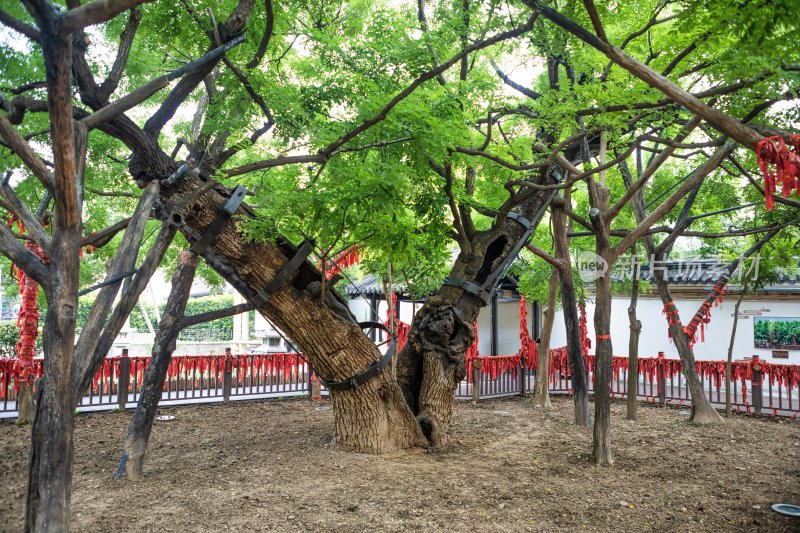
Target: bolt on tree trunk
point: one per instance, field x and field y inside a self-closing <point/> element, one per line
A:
<point x="541" y="396"/>
<point x="131" y="464"/>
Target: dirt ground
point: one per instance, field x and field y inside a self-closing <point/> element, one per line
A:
<point x="268" y="466"/>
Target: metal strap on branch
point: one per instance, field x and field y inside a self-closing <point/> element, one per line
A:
<point x="373" y="370"/>
<point x="519" y="218"/>
<point x="483" y="291"/>
<point x="468" y="286"/>
<point x="283" y="275"/>
<point x="226" y="211"/>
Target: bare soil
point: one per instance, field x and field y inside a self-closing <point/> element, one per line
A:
<point x="269" y="466"/>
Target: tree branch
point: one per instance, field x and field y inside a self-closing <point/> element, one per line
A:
<point x="110" y="84"/>
<point x="95" y="13"/>
<point x="265" y="37"/>
<point x="22" y="27"/>
<point x="21" y="147"/>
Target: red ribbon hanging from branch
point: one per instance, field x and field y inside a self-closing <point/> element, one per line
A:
<point x="703" y="316"/>
<point x="527" y="346"/>
<point x="349" y="257"/>
<point x="774" y="151"/>
<point x="28" y="317"/>
<point x="586" y="344"/>
<point x="403" y="329"/>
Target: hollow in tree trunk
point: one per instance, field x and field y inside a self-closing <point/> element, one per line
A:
<point x="433" y="362"/>
<point x="541" y="396"/>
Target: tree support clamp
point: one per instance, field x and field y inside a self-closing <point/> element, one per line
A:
<point x="225" y="213"/>
<point x="373" y="370"/>
<point x="284" y="273"/>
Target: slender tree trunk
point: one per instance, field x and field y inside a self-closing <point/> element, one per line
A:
<point x="601" y="449"/>
<point x="541" y="396"/>
<point x="728" y="406"/>
<point x="635" y="325"/>
<point x="702" y="411"/>
<point x="131" y="465"/>
<point x="569" y="303"/>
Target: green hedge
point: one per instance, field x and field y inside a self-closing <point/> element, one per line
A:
<point x="222" y="327"/>
<point x="9" y="335"/>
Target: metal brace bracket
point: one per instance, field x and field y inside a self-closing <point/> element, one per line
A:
<point x="469" y="287"/>
<point x="519" y="218"/>
<point x="225" y="213"/>
<point x="373" y="370"/>
<point x="284" y="274"/>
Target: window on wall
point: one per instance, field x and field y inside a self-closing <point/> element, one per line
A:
<point x="273" y="341"/>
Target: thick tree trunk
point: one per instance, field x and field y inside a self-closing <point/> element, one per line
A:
<point x="541" y="395"/>
<point x="702" y="411"/>
<point x="433" y="362"/>
<point x="50" y="466"/>
<point x="131" y="465"/>
<point x="601" y="443"/>
<point x="635" y="326"/>
<point x="372" y="418"/>
<point x="569" y="303"/>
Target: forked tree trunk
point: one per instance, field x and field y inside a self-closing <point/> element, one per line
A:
<point x="131" y="464"/>
<point x="372" y="418"/>
<point x="604" y="350"/>
<point x="569" y="303"/>
<point x="541" y="393"/>
<point x="635" y="326"/>
<point x="433" y="362"/>
<point x="702" y="411"/>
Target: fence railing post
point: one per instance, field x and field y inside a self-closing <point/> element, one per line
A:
<point x="123" y="379"/>
<point x="662" y="380"/>
<point x="227" y="376"/>
<point x="755" y="366"/>
<point x="476" y="380"/>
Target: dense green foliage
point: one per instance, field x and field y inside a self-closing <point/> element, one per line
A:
<point x="332" y="66"/>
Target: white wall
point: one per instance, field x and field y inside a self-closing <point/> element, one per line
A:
<point x="507" y="325"/>
<point x="653" y="338"/>
<point x="718" y="332"/>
